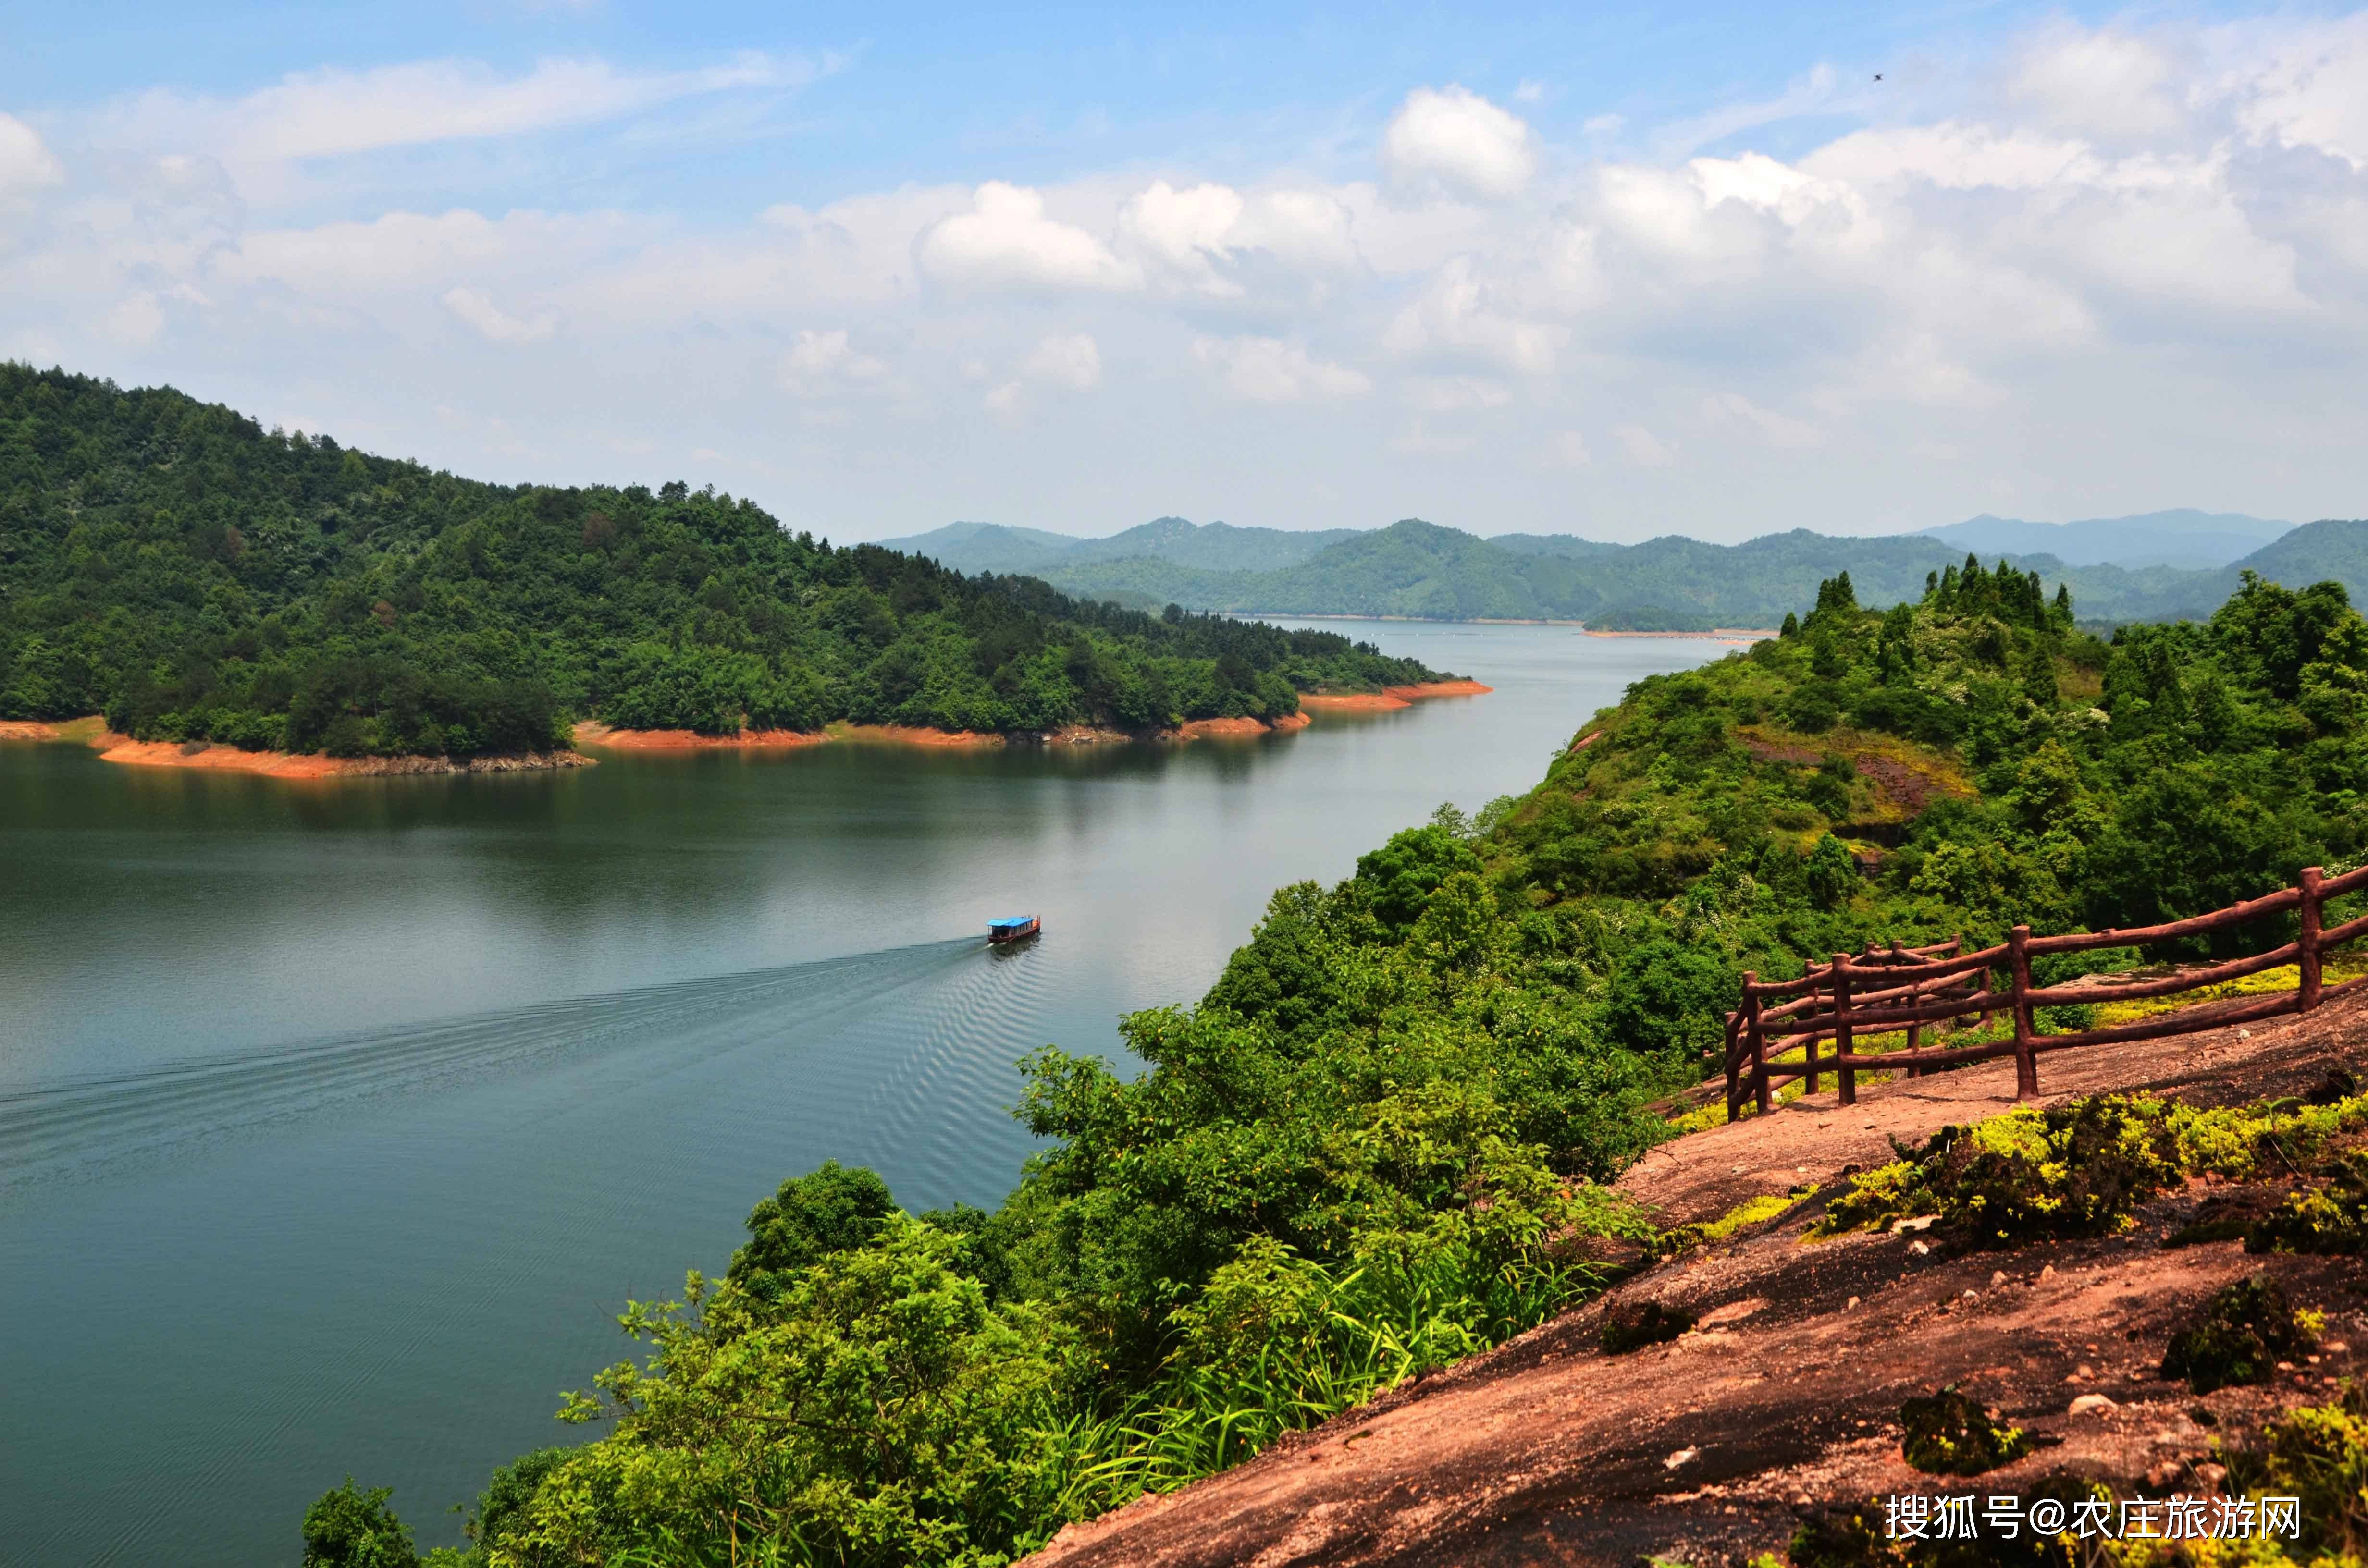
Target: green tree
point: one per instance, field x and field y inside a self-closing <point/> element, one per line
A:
<point x="350" y="1528"/>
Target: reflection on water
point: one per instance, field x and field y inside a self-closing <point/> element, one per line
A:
<point x="338" y="1120"/>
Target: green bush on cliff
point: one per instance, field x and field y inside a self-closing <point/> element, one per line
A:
<point x="2078" y="1168"/>
<point x="2331" y="1218"/>
<point x="2070" y="1170"/>
<point x="1950" y="1433"/>
<point x="2239" y="1337"/>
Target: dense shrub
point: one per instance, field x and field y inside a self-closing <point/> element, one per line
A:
<point x="1950" y="1434"/>
<point x="2239" y="1338"/>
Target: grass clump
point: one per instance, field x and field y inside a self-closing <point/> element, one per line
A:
<point x="1750" y="1212"/>
<point x="2329" y="1219"/>
<point x="1632" y="1328"/>
<point x="2078" y="1169"/>
<point x="2319" y="1453"/>
<point x="1950" y="1434"/>
<point x="2071" y="1170"/>
<point x="2240" y="1338"/>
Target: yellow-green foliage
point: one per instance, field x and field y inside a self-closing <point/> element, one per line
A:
<point x="1750" y="1212"/>
<point x="2331" y="1219"/>
<point x="2319" y="1454"/>
<point x="2077" y="1168"/>
<point x="2347" y="965"/>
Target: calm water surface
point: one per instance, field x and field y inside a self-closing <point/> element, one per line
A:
<point x="338" y="1120"/>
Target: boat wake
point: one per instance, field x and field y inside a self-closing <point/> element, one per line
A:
<point x="76" y="1126"/>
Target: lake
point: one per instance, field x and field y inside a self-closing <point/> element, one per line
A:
<point x="338" y="1120"/>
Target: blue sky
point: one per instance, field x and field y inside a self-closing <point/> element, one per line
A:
<point x="1615" y="271"/>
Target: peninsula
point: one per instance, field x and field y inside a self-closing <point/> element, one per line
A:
<point x="224" y="596"/>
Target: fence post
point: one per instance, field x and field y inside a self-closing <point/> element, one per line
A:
<point x="1848" y="1076"/>
<point x="1734" y="1061"/>
<point x="1914" y="1027"/>
<point x="1980" y="1001"/>
<point x="1755" y="1041"/>
<point x="1809" y="1049"/>
<point x="2026" y="1061"/>
<point x="2311" y="922"/>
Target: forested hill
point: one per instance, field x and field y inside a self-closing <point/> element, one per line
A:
<point x="171" y="564"/>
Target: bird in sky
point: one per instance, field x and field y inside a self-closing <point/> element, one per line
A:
<point x="1878" y="76"/>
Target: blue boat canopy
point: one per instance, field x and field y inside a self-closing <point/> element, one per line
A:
<point x="1006" y="925"/>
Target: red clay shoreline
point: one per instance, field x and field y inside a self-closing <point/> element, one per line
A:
<point x="212" y="756"/>
<point x="607" y="738"/>
<point x="1389" y="698"/>
<point x="209" y="756"/>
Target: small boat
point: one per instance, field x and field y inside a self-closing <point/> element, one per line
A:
<point x="1016" y="928"/>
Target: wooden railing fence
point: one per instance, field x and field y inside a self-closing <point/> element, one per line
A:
<point x="1883" y="991"/>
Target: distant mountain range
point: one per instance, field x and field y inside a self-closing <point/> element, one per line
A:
<point x="2184" y="537"/>
<point x="1421" y="570"/>
<point x="1209" y="547"/>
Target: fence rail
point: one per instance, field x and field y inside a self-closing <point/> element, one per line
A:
<point x="1885" y="990"/>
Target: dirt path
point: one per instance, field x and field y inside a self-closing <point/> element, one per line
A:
<point x="1704" y="1449"/>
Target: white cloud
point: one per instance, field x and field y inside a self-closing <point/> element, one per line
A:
<point x="1268" y="369"/>
<point x="408" y="251"/>
<point x="136" y="321"/>
<point x="1456" y="141"/>
<point x="25" y="165"/>
<point x="1073" y="362"/>
<point x="1733" y="409"/>
<point x="1459" y="320"/>
<point x="332" y="112"/>
<point x="1530" y="91"/>
<point x="1450" y="394"/>
<point x="1007" y="241"/>
<point x="1207" y="239"/>
<point x="2107" y="83"/>
<point x="1313" y="230"/>
<point x="820" y="364"/>
<point x="1568" y="449"/>
<point x="1644" y="449"/>
<point x="496" y="325"/>
<point x="2311" y="91"/>
<point x="1185" y="232"/>
<point x="1956" y="156"/>
<point x="1812" y="93"/>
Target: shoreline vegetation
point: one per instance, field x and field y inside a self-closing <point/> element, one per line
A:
<point x="211" y="757"/>
<point x="608" y="738"/>
<point x="214" y="756"/>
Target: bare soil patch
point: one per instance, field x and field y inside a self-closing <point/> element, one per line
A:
<point x="592" y="732"/>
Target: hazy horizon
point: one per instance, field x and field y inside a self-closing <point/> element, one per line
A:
<point x="1835" y="533"/>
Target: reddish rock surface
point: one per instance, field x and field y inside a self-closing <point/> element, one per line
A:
<point x="1708" y="1448"/>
